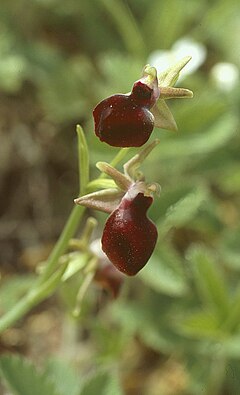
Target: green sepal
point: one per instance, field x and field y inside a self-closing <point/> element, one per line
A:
<point x="163" y="117"/>
<point x="170" y="76"/>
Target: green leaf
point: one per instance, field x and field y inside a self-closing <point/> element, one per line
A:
<point x="169" y="197"/>
<point x="35" y="295"/>
<point x="61" y="92"/>
<point x="109" y="342"/>
<point x="228" y="247"/>
<point x="200" y="143"/>
<point x="102" y="383"/>
<point x="199" y="325"/>
<point x="190" y="115"/>
<point x="83" y="160"/>
<point x="65" y="379"/>
<point x="163" y="273"/>
<point x="149" y="320"/>
<point x="166" y="21"/>
<point x="231" y="347"/>
<point x="232" y="320"/>
<point x="126" y="25"/>
<point x="183" y="211"/>
<point x="229" y="178"/>
<point x="209" y="281"/>
<point x="113" y="387"/>
<point x="118" y="73"/>
<point x="233" y="374"/>
<point x="23" y="379"/>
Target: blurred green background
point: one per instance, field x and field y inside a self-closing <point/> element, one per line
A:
<point x="175" y="328"/>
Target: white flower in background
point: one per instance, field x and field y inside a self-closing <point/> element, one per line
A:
<point x="225" y="75"/>
<point x="162" y="59"/>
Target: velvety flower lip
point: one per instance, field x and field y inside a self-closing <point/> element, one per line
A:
<point x="122" y="122"/>
<point x="129" y="236"/>
<point x="125" y="120"/>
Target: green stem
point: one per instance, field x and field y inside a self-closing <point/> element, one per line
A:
<point x="46" y="284"/>
<point x="62" y="243"/>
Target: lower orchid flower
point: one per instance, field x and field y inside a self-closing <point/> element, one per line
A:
<point x="129" y="236"/>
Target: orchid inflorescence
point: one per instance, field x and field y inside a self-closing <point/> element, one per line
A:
<point x="129" y="236"/>
<point x="127" y="120"/>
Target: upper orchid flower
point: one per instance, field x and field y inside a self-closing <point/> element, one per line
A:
<point x="127" y="120"/>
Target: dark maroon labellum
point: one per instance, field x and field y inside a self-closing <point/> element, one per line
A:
<point x="129" y="236"/>
<point x="125" y="120"/>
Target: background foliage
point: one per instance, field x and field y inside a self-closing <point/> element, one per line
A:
<point x="175" y="328"/>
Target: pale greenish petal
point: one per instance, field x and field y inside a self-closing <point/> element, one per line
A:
<point x="121" y="180"/>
